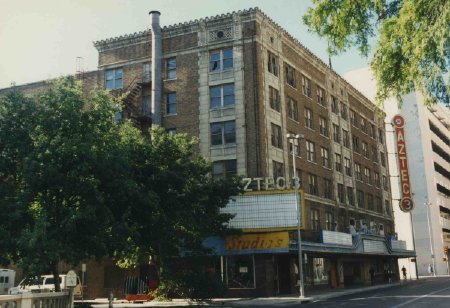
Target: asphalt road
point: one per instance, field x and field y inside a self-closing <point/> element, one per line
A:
<point x="425" y="292"/>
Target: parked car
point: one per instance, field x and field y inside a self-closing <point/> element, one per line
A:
<point x="7" y="277"/>
<point x="44" y="283"/>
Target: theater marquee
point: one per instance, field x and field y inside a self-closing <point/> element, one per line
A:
<point x="406" y="202"/>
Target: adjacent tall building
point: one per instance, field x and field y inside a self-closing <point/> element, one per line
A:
<point x="427" y="137"/>
<point x="241" y="83"/>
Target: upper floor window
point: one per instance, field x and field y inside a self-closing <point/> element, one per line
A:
<point x="294" y="145"/>
<point x="334" y="105"/>
<point x="274" y="99"/>
<point x="292" y="108"/>
<point x="310" y="151"/>
<point x="222" y="96"/>
<point x="350" y="197"/>
<point x="224" y="168"/>
<point x="223" y="133"/>
<point x="327" y="188"/>
<point x="171" y="103"/>
<point x="385" y="183"/>
<point x="325" y="157"/>
<point x="315" y="220"/>
<point x="308" y="118"/>
<point x="114" y="79"/>
<point x="278" y="169"/>
<point x="367" y="175"/>
<point x="329" y="221"/>
<point x="343" y="111"/>
<point x="306" y="86"/>
<point x="272" y="63"/>
<point x="383" y="159"/>
<point x="347" y="166"/>
<point x="338" y="162"/>
<point x="346" y="138"/>
<point x="336" y="133"/>
<point x="380" y="136"/>
<point x="372" y="131"/>
<point x="355" y="140"/>
<point x="363" y="125"/>
<point x="320" y="96"/>
<point x="341" y="192"/>
<point x="370" y="205"/>
<point x="353" y="118"/>
<point x="171" y="68"/>
<point x="376" y="176"/>
<point x="374" y="154"/>
<point x="365" y="149"/>
<point x="360" y="198"/>
<point x="276" y="137"/>
<point x="358" y="173"/>
<point x="323" y="126"/>
<point x="290" y="75"/>
<point x="221" y="60"/>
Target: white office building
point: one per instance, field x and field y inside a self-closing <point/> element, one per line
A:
<point x="427" y="136"/>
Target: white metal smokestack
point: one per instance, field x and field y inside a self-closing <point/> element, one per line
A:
<point x="156" y="68"/>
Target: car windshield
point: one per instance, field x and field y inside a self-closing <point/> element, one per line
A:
<point x="51" y="280"/>
<point x="35" y="281"/>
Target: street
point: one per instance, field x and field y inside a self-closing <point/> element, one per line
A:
<point x="426" y="292"/>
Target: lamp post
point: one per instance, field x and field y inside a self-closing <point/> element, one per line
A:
<point x="428" y="205"/>
<point x="294" y="139"/>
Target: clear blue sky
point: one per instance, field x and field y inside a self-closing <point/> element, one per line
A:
<point x="41" y="39"/>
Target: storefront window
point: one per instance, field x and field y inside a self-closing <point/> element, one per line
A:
<point x="320" y="271"/>
<point x="240" y="272"/>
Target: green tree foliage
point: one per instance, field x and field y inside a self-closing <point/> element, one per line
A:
<point x="413" y="47"/>
<point x="74" y="184"/>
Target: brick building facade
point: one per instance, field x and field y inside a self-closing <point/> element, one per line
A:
<point x="240" y="83"/>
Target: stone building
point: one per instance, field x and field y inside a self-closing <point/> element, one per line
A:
<point x="241" y="83"/>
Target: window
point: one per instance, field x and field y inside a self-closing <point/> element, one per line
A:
<point x="370" y="205"/>
<point x="353" y="118"/>
<point x="334" y="105"/>
<point x="221" y="60"/>
<point x="274" y="99"/>
<point x="171" y="131"/>
<point x="367" y="177"/>
<point x="327" y="188"/>
<point x="347" y="166"/>
<point x="171" y="103"/>
<point x="290" y="75"/>
<point x="376" y="178"/>
<point x="360" y="198"/>
<point x="325" y="157"/>
<point x="272" y="63"/>
<point x="224" y="168"/>
<point x="341" y="192"/>
<point x="315" y="220"/>
<point x="240" y="272"/>
<point x="387" y="207"/>
<point x="299" y="176"/>
<point x="223" y="133"/>
<point x="372" y="131"/>
<point x="329" y="221"/>
<point x="292" y="108"/>
<point x="306" y="86"/>
<point x="380" y="136"/>
<point x="323" y="126"/>
<point x="343" y="111"/>
<point x="365" y="149"/>
<point x="346" y="138"/>
<point x="383" y="159"/>
<point x="171" y="68"/>
<point x="313" y="185"/>
<point x="146" y="72"/>
<point x="277" y="139"/>
<point x="278" y="169"/>
<point x="378" y="205"/>
<point x="363" y="125"/>
<point x="147" y="104"/>
<point x="338" y="162"/>
<point x="308" y="118"/>
<point x="350" y="197"/>
<point x="355" y="141"/>
<point x="114" y="79"/>
<point x="222" y="96"/>
<point x="374" y="154"/>
<point x="336" y="133"/>
<point x="385" y="183"/>
<point x="320" y="96"/>
<point x="358" y="173"/>
<point x="310" y="151"/>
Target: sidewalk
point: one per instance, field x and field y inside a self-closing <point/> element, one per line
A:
<point x="312" y="296"/>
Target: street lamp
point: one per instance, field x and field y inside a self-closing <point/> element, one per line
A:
<point x="294" y="139"/>
<point x="428" y="205"/>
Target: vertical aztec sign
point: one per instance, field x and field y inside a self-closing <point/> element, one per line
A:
<point x="406" y="203"/>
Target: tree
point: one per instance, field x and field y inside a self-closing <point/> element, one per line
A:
<point x="74" y="184"/>
<point x="413" y="48"/>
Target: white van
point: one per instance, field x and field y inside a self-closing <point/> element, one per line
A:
<point x="44" y="283"/>
<point x="7" y="277"/>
